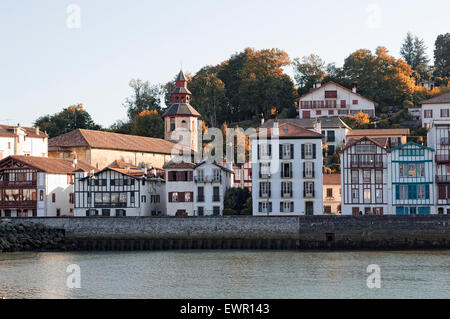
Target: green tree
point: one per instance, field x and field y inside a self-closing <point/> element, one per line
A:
<point x="442" y="56"/>
<point x="69" y="119"/>
<point x="149" y="124"/>
<point x="145" y="97"/>
<point x="308" y="71"/>
<point x="413" y="52"/>
<point x="236" y="199"/>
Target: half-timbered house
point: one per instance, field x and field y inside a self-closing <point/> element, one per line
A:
<point x="364" y="177"/>
<point x="411" y="174"/>
<point x="37" y="186"/>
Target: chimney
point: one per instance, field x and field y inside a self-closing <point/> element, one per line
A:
<point x="276" y="131"/>
<point x="354" y="89"/>
<point x="318" y="126"/>
<point x="37" y="130"/>
<point x="318" y="85"/>
<point x="75" y="162"/>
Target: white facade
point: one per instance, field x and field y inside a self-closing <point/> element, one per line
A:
<point x="431" y="112"/>
<point x="211" y="184"/>
<point x="18" y="141"/>
<point x="180" y="189"/>
<point x="332" y="99"/>
<point x="287" y="183"/>
<point x="332" y="194"/>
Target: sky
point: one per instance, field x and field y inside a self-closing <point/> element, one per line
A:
<point x="57" y="53"/>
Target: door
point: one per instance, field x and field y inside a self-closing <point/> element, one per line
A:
<point x="309" y="208"/>
<point x="306" y="114"/>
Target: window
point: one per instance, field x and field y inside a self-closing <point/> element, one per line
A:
<point x="188" y="197"/>
<point x="366" y="176"/>
<point x="286" y="189"/>
<point x="366" y="149"/>
<point x="41" y="195"/>
<point x="445" y="113"/>
<point x="309" y="208"/>
<point x="172" y="124"/>
<point x="143" y="199"/>
<point x="265" y="150"/>
<point x="264" y="189"/>
<point x="327" y="209"/>
<point x="355" y="177"/>
<point x="175" y="197"/>
<point x="420" y="170"/>
<point x="403" y="170"/>
<point x="264" y="170"/>
<point x="355" y="102"/>
<point x="308" y="171"/>
<point x="309" y="151"/>
<point x="428" y="114"/>
<point x="330" y="94"/>
<point x="343" y="103"/>
<point x="367" y="195"/>
<point x="308" y="189"/>
<point x="403" y="192"/>
<point x="132" y="199"/>
<point x="71" y="198"/>
<point x="331" y="136"/>
<point x="201" y="211"/>
<point x="329" y="192"/>
<point x="286" y="207"/>
<point x="155" y="199"/>
<point x="378" y="177"/>
<point x="286" y="151"/>
<point x="411" y="170"/>
<point x="379" y="195"/>
<point x="216" y="210"/>
<point x="200" y="194"/>
<point x="286" y="170"/>
<point x="355" y="195"/>
<point x="53" y="197"/>
<point x="265" y="207"/>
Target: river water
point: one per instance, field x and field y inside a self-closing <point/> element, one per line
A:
<point x="226" y="274"/>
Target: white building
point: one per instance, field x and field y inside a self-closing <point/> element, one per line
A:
<point x="364" y="177"/>
<point x="287" y="171"/>
<point x="120" y="190"/>
<point x="211" y="184"/>
<point x="19" y="140"/>
<point x="332" y="99"/>
<point x="333" y="128"/>
<point x="439" y="140"/>
<point x="332" y="194"/>
<point x="180" y="188"/>
<point x="37" y="186"/>
<point x="437" y="108"/>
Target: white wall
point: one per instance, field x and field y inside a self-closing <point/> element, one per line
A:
<point x="436" y="108"/>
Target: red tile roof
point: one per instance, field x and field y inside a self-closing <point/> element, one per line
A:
<point x="8" y="130"/>
<point x="181" y="165"/>
<point x="112" y="141"/>
<point x="48" y="165"/>
<point x="379" y="132"/>
<point x="441" y="99"/>
<point x="287" y="130"/>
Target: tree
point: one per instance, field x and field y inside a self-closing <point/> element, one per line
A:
<point x="69" y="119"/>
<point x="209" y="96"/>
<point x="380" y="77"/>
<point x="442" y="56"/>
<point x="148" y="123"/>
<point x="236" y="199"/>
<point x="308" y="71"/>
<point x="413" y="52"/>
<point x="357" y="121"/>
<point x="145" y="97"/>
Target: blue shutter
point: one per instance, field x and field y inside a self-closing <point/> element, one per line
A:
<point x="397" y="192"/>
<point x="427" y="191"/>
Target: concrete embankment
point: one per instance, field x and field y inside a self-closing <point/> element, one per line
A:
<point x="308" y="232"/>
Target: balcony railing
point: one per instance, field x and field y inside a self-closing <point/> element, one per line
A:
<point x="445" y="141"/>
<point x="24" y="204"/>
<point x="208" y="179"/>
<point x="442" y="179"/>
<point x="107" y="205"/>
<point x="17" y="184"/>
<point x="366" y="164"/>
<point x="443" y="158"/>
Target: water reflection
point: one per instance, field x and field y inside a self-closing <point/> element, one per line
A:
<point x="226" y="274"/>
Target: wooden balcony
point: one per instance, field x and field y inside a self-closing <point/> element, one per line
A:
<point x="25" y="204"/>
<point x="445" y="141"/>
<point x="443" y="158"/>
<point x="18" y="184"/>
<point x="442" y="179"/>
<point x="366" y="165"/>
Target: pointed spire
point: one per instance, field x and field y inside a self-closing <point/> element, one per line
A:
<point x="181" y="76"/>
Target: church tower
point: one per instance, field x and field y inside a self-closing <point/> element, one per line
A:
<point x="181" y="114"/>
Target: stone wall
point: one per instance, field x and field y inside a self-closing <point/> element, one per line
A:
<point x="309" y="232"/>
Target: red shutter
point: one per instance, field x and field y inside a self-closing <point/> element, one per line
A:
<point x="343" y="103"/>
<point x="53" y="197"/>
<point x="431" y="113"/>
<point x="192" y="197"/>
<point x="191" y="176"/>
<point x="381" y="211"/>
<point x="322" y="103"/>
<point x="170" y="197"/>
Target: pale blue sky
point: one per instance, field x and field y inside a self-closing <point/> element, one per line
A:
<point x="46" y="66"/>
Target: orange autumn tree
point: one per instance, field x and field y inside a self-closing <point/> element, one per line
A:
<point x="358" y="120"/>
<point x="148" y="123"/>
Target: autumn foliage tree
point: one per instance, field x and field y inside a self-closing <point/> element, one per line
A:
<point x="148" y="123"/>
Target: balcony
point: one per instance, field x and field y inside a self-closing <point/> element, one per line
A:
<point x="112" y="205"/>
<point x="208" y="179"/>
<point x="24" y="204"/>
<point x="442" y="179"/>
<point x="445" y="141"/>
<point x="366" y="164"/>
<point x="18" y="184"/>
<point x="443" y="158"/>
